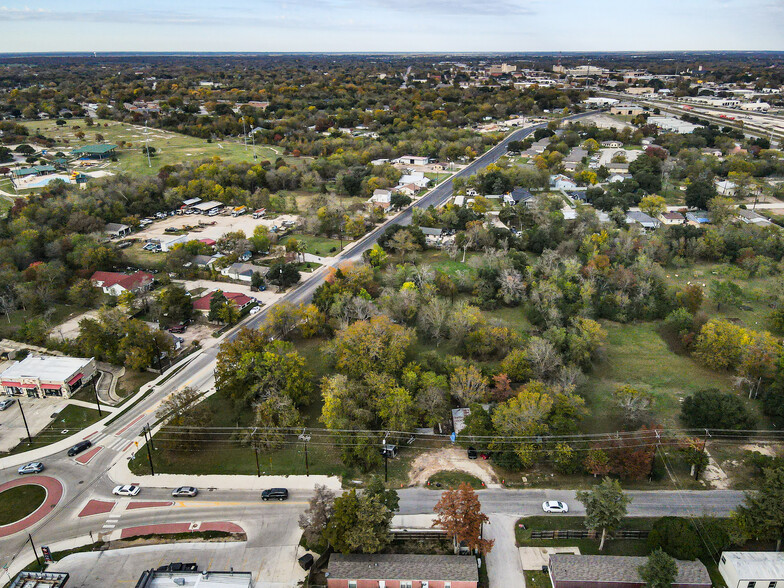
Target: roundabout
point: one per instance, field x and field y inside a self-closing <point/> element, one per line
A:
<point x="26" y="501"/>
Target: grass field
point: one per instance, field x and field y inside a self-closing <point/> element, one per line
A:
<point x="16" y="319"/>
<point x="452" y="479"/>
<point x="172" y="148"/>
<point x="70" y="420"/>
<point x="321" y="246"/>
<point x="18" y="502"/>
<point x="636" y="355"/>
<point x="758" y="293"/>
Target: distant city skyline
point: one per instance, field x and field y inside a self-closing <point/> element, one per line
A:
<point x="392" y="26"/>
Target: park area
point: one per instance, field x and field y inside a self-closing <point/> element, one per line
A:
<point x="170" y="148"/>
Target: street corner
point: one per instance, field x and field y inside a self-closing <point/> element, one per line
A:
<point x="54" y="492"/>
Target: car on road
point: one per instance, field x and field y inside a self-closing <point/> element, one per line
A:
<point x="126" y="490"/>
<point x="79" y="447"/>
<point x="555" y="506"/>
<point x="185" y="491"/>
<point x="275" y="494"/>
<point x="34" y="467"/>
<point x="6" y="402"/>
<point x="255" y="309"/>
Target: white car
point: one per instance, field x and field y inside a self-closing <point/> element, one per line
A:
<point x="255" y="309"/>
<point x="555" y="506"/>
<point x="127" y="490"/>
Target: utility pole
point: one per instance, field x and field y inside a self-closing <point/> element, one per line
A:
<point x="704" y="452"/>
<point x="29" y="437"/>
<point x="256" y="452"/>
<point x="148" y="443"/>
<point x="157" y="354"/>
<point x="386" y="461"/>
<point x="97" y="402"/>
<point x="305" y="438"/>
<point x="35" y="553"/>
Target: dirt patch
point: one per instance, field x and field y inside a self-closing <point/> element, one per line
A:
<point x="449" y="458"/>
<point x="715" y="476"/>
<point x="768" y="450"/>
<point x="69" y="330"/>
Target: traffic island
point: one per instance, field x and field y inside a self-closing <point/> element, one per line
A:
<point x="53" y="492"/>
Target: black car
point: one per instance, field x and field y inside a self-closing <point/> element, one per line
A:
<point x="79" y="447"/>
<point x="472" y="453"/>
<point x="275" y="494"/>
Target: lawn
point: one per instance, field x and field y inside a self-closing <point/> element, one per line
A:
<point x="758" y="293"/>
<point x="69" y="421"/>
<point x="18" y="502"/>
<point x="637" y="355"/>
<point x="452" y="479"/>
<point x="172" y="148"/>
<point x="16" y="319"/>
<point x="321" y="246"/>
<point x="537" y="579"/>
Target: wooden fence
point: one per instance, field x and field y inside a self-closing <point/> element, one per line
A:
<point x="586" y="534"/>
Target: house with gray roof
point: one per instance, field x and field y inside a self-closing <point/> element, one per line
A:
<point x="392" y="570"/>
<point x="638" y="217"/>
<point x="617" y="571"/>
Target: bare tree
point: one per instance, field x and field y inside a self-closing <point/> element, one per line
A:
<point x="545" y="359"/>
<point x="512" y="285"/>
<point x="314" y="520"/>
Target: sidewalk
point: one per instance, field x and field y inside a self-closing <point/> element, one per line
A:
<point x="85" y="404"/>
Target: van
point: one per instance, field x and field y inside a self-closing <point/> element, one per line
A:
<point x="275" y="494"/>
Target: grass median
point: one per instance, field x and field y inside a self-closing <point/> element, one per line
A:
<point x="18" y="502"/>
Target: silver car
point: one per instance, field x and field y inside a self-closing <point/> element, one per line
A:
<point x="185" y="491"/>
<point x="34" y="467"/>
<point x="6" y="402"/>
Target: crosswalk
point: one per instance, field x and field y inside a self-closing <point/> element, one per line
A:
<point x="113" y="442"/>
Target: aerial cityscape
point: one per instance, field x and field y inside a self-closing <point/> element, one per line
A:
<point x="367" y="295"/>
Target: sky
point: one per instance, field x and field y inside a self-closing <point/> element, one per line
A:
<point x="390" y="25"/>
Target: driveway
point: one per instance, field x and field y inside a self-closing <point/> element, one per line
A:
<point x="503" y="561"/>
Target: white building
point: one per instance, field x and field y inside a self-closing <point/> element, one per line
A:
<point x="412" y="160"/>
<point x="755" y="106"/>
<point x="752" y="569"/>
<point x="672" y="124"/>
<point x="47" y="376"/>
<point x="599" y="102"/>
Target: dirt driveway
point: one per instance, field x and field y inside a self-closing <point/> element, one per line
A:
<point x="223" y="224"/>
<point x="449" y="459"/>
<point x="70" y="328"/>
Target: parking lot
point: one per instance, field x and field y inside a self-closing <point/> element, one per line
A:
<point x="38" y="411"/>
<point x="224" y="223"/>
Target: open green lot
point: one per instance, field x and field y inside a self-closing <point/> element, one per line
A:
<point x="18" y="502"/>
<point x="70" y="420"/>
<point x="59" y="313"/>
<point x="452" y="479"/>
<point x="315" y="245"/>
<point x="171" y="148"/>
<point x="637" y="355"/>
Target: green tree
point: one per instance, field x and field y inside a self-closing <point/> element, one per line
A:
<point x="174" y="305"/>
<point x="699" y="193"/>
<point x="714" y="409"/>
<point x="726" y="293"/>
<point x="605" y="506"/>
<point x="761" y="516"/>
<point x="660" y="571"/>
<point x="676" y="537"/>
<point x="372" y="345"/>
<point x="359" y="523"/>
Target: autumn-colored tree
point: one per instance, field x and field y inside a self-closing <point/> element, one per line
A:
<point x="597" y="462"/>
<point x="468" y="385"/>
<point x="691" y="297"/>
<point x="526" y="413"/>
<point x="459" y="514"/>
<point x="653" y="205"/>
<point x="371" y="345"/>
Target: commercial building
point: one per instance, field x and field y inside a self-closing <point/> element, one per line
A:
<point x="626" y="109"/>
<point x="617" y="571"/>
<point x="402" y="571"/>
<point x="42" y="376"/>
<point x="194" y="579"/>
<point x="672" y="124"/>
<point x="752" y="569"/>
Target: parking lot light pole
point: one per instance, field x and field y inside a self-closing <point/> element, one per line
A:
<point x="29" y="437"/>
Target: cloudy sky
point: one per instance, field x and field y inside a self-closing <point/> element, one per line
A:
<point x="390" y="25"/>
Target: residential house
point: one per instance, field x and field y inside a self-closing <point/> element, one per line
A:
<point x="640" y="218"/>
<point x="617" y="168"/>
<point x="725" y="187"/>
<point x="115" y="283"/>
<point x="243" y="271"/>
<point x="432" y="235"/>
<point x="116" y="230"/>
<point x="42" y="376"/>
<point x="752" y="569"/>
<point x="382" y="198"/>
<point x="240" y="300"/>
<point x="417" y="178"/>
<point x="203" y="261"/>
<point x="518" y="195"/>
<point x="392" y="570"/>
<point x="537" y="147"/>
<point x="672" y="218"/>
<point x="409" y="190"/>
<point x="459" y="200"/>
<point x="698" y="217"/>
<point x="574" y="159"/>
<point x="612" y="143"/>
<point x="617" y="571"/>
<point x="562" y="182"/>
<point x="618" y="178"/>
<point x="711" y="151"/>
<point x="753" y="218"/>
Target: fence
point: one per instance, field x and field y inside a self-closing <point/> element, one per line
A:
<point x="586" y="534"/>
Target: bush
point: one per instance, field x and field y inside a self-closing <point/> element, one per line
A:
<point x="713" y="409"/>
<point x="676" y="536"/>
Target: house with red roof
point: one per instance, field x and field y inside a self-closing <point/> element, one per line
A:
<point x="241" y="300"/>
<point x="116" y="283"/>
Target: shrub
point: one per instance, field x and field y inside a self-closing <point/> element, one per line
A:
<point x="676" y="536"/>
<point x="713" y="409"/>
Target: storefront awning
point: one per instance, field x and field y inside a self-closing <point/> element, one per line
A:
<point x="51" y="386"/>
<point x="11" y="384"/>
<point x="30" y="386"/>
<point x="75" y="379"/>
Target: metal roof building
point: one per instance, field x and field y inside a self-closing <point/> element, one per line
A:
<point x="761" y="568"/>
<point x="188" y="579"/>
